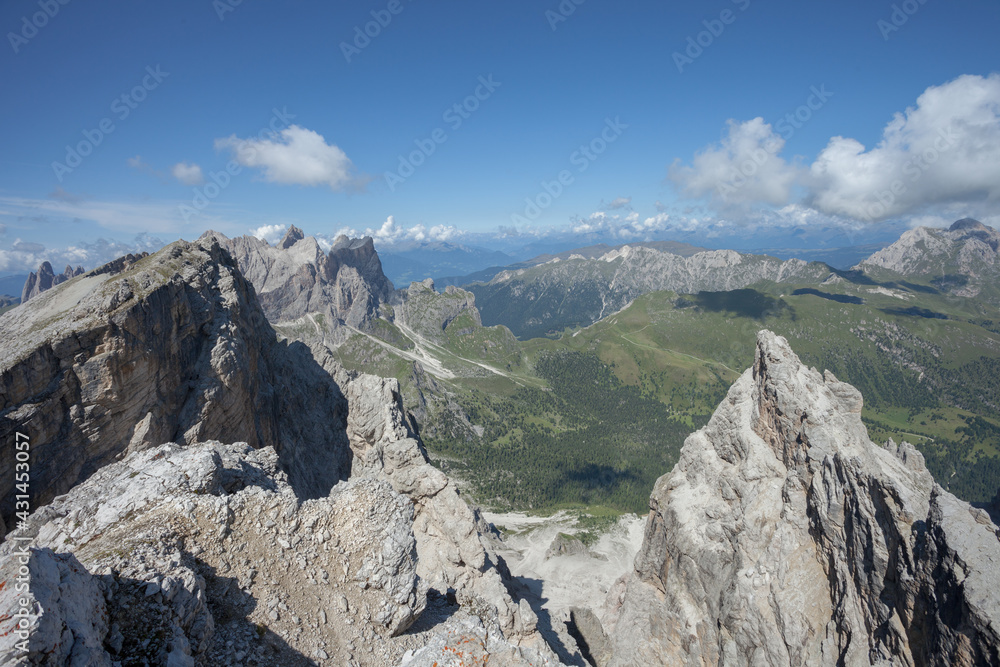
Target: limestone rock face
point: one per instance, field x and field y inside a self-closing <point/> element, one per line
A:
<point x="175" y="551"/>
<point x="46" y="279"/>
<point x="426" y="313"/>
<point x="785" y="537"/>
<point x="453" y="553"/>
<point x="172" y="348"/>
<point x="297" y="278"/>
<point x="75" y="622"/>
<point x="963" y="259"/>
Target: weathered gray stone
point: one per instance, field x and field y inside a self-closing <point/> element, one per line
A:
<point x="452" y="552"/>
<point x="964" y="259"/>
<point x="173" y="348"/>
<point x="46" y="279"/>
<point x="586" y="628"/>
<point x="785" y="537"/>
<point x="67" y="620"/>
<point x="296" y="278"/>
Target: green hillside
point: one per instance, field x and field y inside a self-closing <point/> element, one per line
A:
<point x="595" y="415"/>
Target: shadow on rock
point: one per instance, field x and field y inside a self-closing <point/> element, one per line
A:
<point x="557" y="636"/>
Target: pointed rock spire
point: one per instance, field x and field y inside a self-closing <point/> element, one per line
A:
<point x="292" y="236"/>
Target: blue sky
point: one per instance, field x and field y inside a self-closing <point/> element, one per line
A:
<point x="558" y="79"/>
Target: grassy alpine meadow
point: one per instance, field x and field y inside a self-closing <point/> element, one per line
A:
<point x="594" y="416"/>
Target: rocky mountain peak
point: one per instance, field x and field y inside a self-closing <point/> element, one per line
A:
<point x="293" y="235"/>
<point x="45" y="279"/>
<point x="784" y="536"/>
<point x="963" y="259"/>
<point x="360" y="254"/>
<point x="296" y="278"/>
<point x="967" y="224"/>
<point x="171" y="348"/>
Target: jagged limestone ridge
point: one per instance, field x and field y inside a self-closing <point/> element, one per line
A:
<point x="785" y="537"/>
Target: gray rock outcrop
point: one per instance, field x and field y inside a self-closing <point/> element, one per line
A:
<point x="589" y="634"/>
<point x="453" y="552"/>
<point x="174" y="348"/>
<point x="176" y="553"/>
<point x="46" y="279"/>
<point x="963" y="259"/>
<point x="296" y="278"/>
<point x="427" y="313"/>
<point x="784" y="536"/>
<point x="317" y="538"/>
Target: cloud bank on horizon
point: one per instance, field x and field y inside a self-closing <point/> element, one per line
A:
<point x="936" y="161"/>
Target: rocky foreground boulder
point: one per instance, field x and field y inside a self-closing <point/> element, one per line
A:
<point x="176" y="551"/>
<point x="784" y="536"/>
<point x="203" y="555"/>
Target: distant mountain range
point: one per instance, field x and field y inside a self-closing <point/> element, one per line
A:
<point x="408" y="262"/>
<point x="548" y="298"/>
<point x="472" y="260"/>
<point x="674" y="327"/>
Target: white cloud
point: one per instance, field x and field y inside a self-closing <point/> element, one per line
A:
<point x="743" y="168"/>
<point x="935" y="158"/>
<point x="188" y="174"/>
<point x="619" y="203"/>
<point x="444" y="232"/>
<point x="945" y="149"/>
<point x="270" y="233"/>
<point x="631" y="227"/>
<point x="390" y="232"/>
<point x="297" y="157"/>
